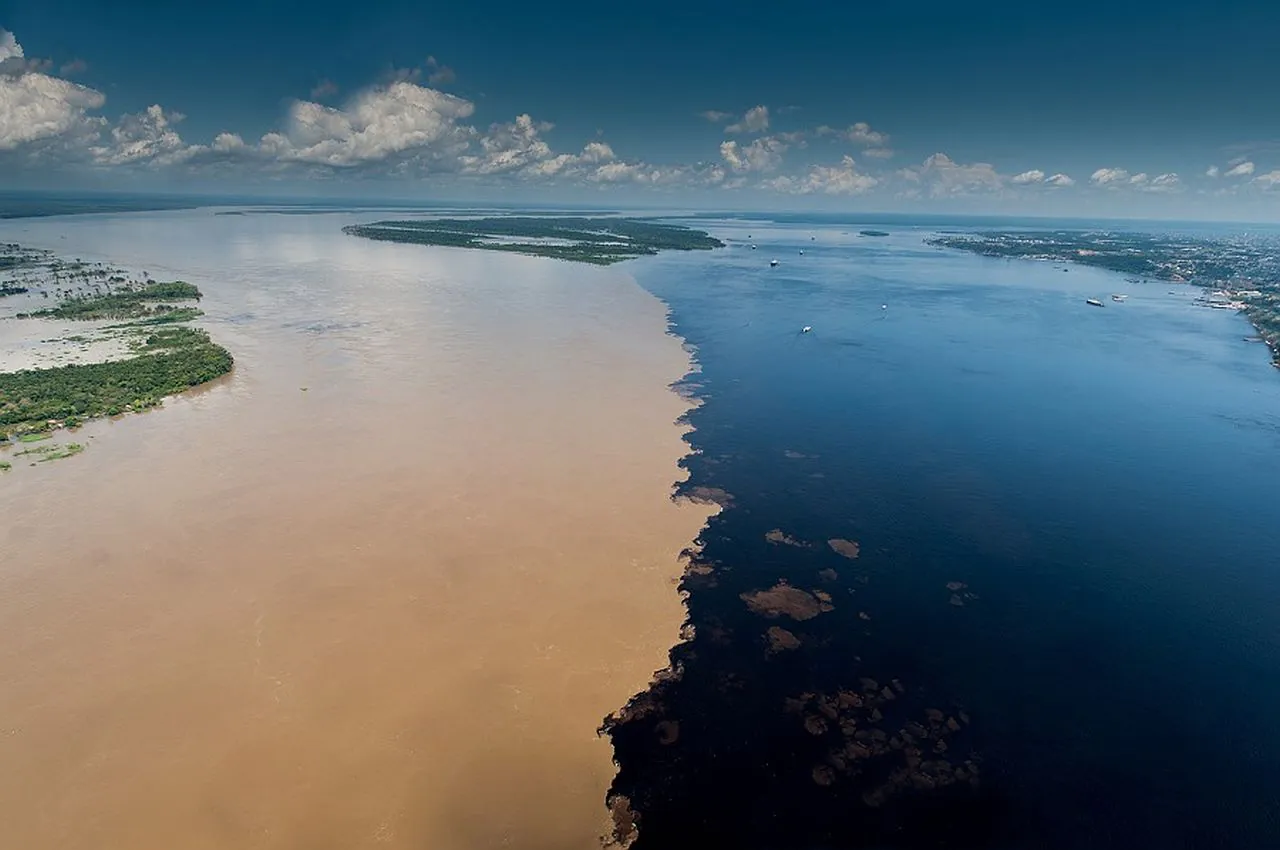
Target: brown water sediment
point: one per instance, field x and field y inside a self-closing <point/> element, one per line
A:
<point x="388" y="611"/>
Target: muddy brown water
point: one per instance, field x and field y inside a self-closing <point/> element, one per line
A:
<point x="388" y="610"/>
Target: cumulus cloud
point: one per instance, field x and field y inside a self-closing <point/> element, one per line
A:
<point x="1269" y="180"/>
<point x="9" y="47"/>
<point x="75" y="66"/>
<point x="763" y="154"/>
<point x="1212" y="171"/>
<point x="756" y="120"/>
<point x="1240" y="169"/>
<point x="942" y="176"/>
<point x="859" y="133"/>
<point x="143" y="137"/>
<point x="35" y="107"/>
<point x="376" y="125"/>
<point x="841" y="179"/>
<point x="1118" y="178"/>
<point x="13" y="60"/>
<point x="1107" y="176"/>
<point x="1036" y="177"/>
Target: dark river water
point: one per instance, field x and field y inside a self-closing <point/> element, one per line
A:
<point x="1060" y="629"/>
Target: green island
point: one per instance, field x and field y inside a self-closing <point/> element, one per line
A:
<point x="168" y="361"/>
<point x="48" y="453"/>
<point x="151" y="355"/>
<point x="1240" y="273"/>
<point x="601" y="241"/>
<point x="125" y="302"/>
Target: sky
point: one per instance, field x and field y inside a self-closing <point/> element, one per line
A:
<point x="1117" y="108"/>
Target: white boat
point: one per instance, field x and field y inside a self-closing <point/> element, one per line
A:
<point x="1119" y="297"/>
<point x="1093" y="302"/>
<point x="773" y="262"/>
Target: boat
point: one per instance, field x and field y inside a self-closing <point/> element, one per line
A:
<point x="753" y="247"/>
<point x="1119" y="297"/>
<point x="1093" y="302"/>
<point x="802" y="252"/>
<point x="773" y="262"/>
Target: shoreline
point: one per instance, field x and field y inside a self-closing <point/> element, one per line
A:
<point x="406" y="639"/>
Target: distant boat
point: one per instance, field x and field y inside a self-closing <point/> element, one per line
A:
<point x="1093" y="302"/>
<point x="1119" y="297"/>
<point x="773" y="262"/>
<point x="802" y="252"/>
<point x="753" y="247"/>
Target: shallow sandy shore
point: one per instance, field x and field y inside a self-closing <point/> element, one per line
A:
<point x="386" y="611"/>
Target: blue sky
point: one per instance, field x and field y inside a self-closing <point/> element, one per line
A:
<point x="1091" y="107"/>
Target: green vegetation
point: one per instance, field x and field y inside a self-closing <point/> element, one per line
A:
<point x="170" y="360"/>
<point x="5" y="466"/>
<point x="47" y="453"/>
<point x="165" y="356"/>
<point x="601" y="241"/>
<point x="125" y="303"/>
<point x="168" y="316"/>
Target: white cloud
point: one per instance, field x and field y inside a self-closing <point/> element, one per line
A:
<point x="1212" y="171"/>
<point x="143" y="137"/>
<point x="75" y="66"/>
<point x="35" y="107"/>
<point x="842" y="179"/>
<point x="1035" y="175"/>
<point x="756" y="120"/>
<point x="763" y="154"/>
<point x="376" y="125"/>
<point x="945" y="177"/>
<point x="1106" y="176"/>
<point x="859" y="133"/>
<point x="507" y="147"/>
<point x="1138" y="179"/>
<point x="1059" y="179"/>
<point x="715" y="116"/>
<point x="878" y="153"/>
<point x="1269" y="180"/>
<point x="9" y="47"/>
<point x="1242" y="169"/>
<point x="1165" y="183"/>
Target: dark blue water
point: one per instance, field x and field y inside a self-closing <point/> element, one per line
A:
<point x="1103" y="482"/>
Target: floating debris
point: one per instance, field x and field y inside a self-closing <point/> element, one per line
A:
<point x="784" y="600"/>
<point x="845" y="548"/>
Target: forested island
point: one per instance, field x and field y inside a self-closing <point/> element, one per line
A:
<point x="1238" y="272"/>
<point x="601" y="241"/>
<point x="145" y="354"/>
